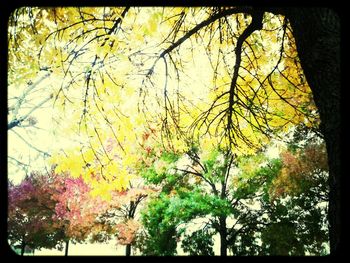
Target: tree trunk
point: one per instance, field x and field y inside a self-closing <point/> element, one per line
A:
<point x="66" y="250"/>
<point x="128" y="250"/>
<point x="223" y="236"/>
<point x="317" y="35"/>
<point x="23" y="247"/>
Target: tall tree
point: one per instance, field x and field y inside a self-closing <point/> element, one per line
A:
<point x="298" y="201"/>
<point x="317" y="34"/>
<point x="246" y="201"/>
<point x="201" y="185"/>
<point x="75" y="210"/>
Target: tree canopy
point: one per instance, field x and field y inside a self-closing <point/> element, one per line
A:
<point x="178" y="106"/>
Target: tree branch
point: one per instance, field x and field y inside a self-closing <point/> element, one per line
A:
<point x="204" y="24"/>
<point x="17" y="122"/>
<point x="198" y="27"/>
<point x="30" y="145"/>
<point x="25" y="93"/>
<point x="119" y="20"/>
<point x="18" y="162"/>
<point x="256" y="24"/>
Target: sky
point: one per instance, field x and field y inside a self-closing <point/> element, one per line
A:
<point x="98" y="249"/>
<point x="41" y="137"/>
<point x="105" y="249"/>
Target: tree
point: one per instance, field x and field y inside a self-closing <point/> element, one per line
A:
<point x="120" y="217"/>
<point x="99" y="68"/>
<point x="84" y="216"/>
<point x="298" y="202"/>
<point x="324" y="81"/>
<point x="158" y="237"/>
<point x="250" y="88"/>
<point x="30" y="215"/>
<point x="200" y="185"/>
<point x="76" y="211"/>
<point x="262" y="197"/>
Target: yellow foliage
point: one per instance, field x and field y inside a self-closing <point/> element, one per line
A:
<point x="109" y="107"/>
<point x="89" y="156"/>
<point x="103" y="190"/>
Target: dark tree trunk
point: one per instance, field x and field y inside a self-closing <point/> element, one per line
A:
<point x="23" y="247"/>
<point x="128" y="250"/>
<point x="317" y="35"/>
<point x="223" y="236"/>
<point x="132" y="210"/>
<point x="66" y="250"/>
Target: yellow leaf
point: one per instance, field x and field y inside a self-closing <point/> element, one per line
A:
<point x="89" y="156"/>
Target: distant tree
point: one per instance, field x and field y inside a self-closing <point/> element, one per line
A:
<point x="202" y="186"/>
<point x="119" y="218"/>
<point x="298" y="201"/>
<point x="31" y="211"/>
<point x="260" y="196"/>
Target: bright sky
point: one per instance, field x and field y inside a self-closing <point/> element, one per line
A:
<point x="105" y="249"/>
<point x="96" y="249"/>
<point x="41" y="138"/>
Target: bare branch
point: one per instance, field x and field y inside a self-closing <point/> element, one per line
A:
<point x="204" y="24"/>
<point x="256" y="24"/>
<point x="25" y="93"/>
<point x="17" y="122"/>
<point x="30" y="145"/>
<point x="197" y="28"/>
<point x="18" y="162"/>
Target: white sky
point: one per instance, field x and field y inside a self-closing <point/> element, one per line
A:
<point x="106" y="249"/>
<point x="96" y="249"/>
<point x="111" y="249"/>
<point x="42" y="138"/>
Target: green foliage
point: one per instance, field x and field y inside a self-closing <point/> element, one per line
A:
<point x="151" y="176"/>
<point x="259" y="232"/>
<point x="280" y="238"/>
<point x="256" y="174"/>
<point x="155" y="175"/>
<point x="215" y="165"/>
<point x="297" y="220"/>
<point x="196" y="204"/>
<point x="269" y="172"/>
<point x="165" y="214"/>
<point x="199" y="243"/>
<point x="160" y="236"/>
<point x="169" y="157"/>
